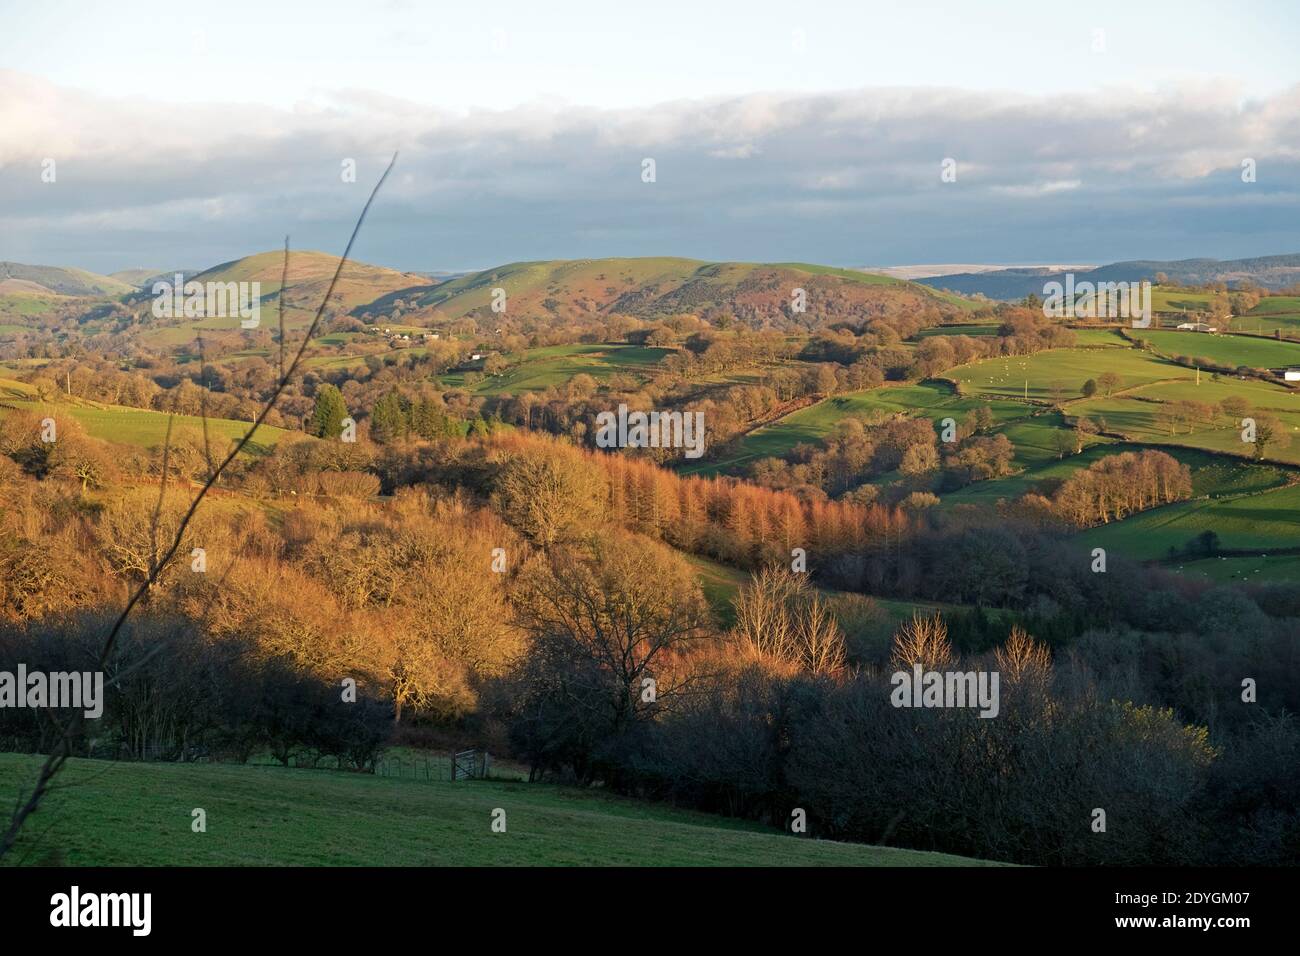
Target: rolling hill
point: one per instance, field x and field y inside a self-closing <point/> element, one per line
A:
<point x="63" y="281"/>
<point x="309" y="276"/>
<point x="653" y="287"/>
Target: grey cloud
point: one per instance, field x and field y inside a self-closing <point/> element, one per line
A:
<point x="845" y="178"/>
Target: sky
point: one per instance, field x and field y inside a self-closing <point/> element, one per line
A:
<point x="178" y="135"/>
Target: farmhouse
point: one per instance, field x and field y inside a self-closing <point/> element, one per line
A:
<point x="1196" y="327"/>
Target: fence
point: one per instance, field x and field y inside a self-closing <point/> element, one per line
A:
<point x="413" y="768"/>
<point x="469" y="765"/>
<point x="462" y="765"/>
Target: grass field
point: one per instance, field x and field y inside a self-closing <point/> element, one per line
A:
<point x="11" y="389"/>
<point x="1036" y="439"/>
<point x="1267" y="520"/>
<point x="139" y="814"/>
<point x="1137" y="415"/>
<point x="1174" y="299"/>
<point x="1273" y="312"/>
<point x="1034" y="375"/>
<point x="1214" y="475"/>
<point x="539" y="369"/>
<point x="148" y="429"/>
<point x="1226" y="350"/>
<point x="720" y="584"/>
<point x="935" y="400"/>
<point x="1100" y="338"/>
<point x="1255" y="570"/>
<point x="1274" y="304"/>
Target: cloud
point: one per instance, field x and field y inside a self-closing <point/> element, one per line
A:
<point x="1039" y="189"/>
<point x="845" y="177"/>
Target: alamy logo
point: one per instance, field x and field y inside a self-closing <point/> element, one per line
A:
<point x="103" y="909"/>
<point x="1088" y="300"/>
<point x="37" y="689"/>
<point x="209" y="300"/>
<point x="922" y="688"/>
<point x="626" y="429"/>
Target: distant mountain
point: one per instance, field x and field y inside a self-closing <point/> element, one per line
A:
<point x="930" y="271"/>
<point x="1006" y="284"/>
<point x="652" y="287"/>
<point x="64" y="281"/>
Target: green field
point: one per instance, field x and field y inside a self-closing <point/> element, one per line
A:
<point x="1036" y="439"/>
<point x="720" y="584"/>
<point x="1287" y="324"/>
<point x="1276" y="312"/>
<point x="1255" y="570"/>
<point x="27" y="304"/>
<point x="1100" y="338"/>
<point x="1174" y="299"/>
<point x="1214" y="475"/>
<point x="936" y="400"/>
<point x="148" y="429"/>
<point x="1274" y="304"/>
<point x="11" y="389"/>
<point x="1018" y="376"/>
<point x="1267" y="520"/>
<point x="1137" y="415"/>
<point x="1225" y="350"/>
<point x="139" y="814"/>
<point x="539" y="369"/>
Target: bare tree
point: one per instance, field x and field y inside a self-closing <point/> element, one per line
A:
<point x="924" y="641"/>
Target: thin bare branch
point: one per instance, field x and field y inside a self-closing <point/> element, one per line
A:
<point x="62" y="749"/>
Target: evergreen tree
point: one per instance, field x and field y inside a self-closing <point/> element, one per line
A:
<point x="327" y="417"/>
<point x="428" y="420"/>
<point x="388" y="420"/>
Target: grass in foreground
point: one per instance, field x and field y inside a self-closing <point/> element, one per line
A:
<point x="139" y="814"/>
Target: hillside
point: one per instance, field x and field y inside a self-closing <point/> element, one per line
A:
<point x="653" y="287"/>
<point x="64" y="281"/>
<point x="139" y="814"/>
<point x="309" y="276"/>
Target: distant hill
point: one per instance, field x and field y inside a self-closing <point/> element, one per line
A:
<point x="651" y="287"/>
<point x="145" y="278"/>
<point x="309" y="277"/>
<point x="64" y="281"/>
<point x="1272" y="272"/>
<point x="24" y="287"/>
